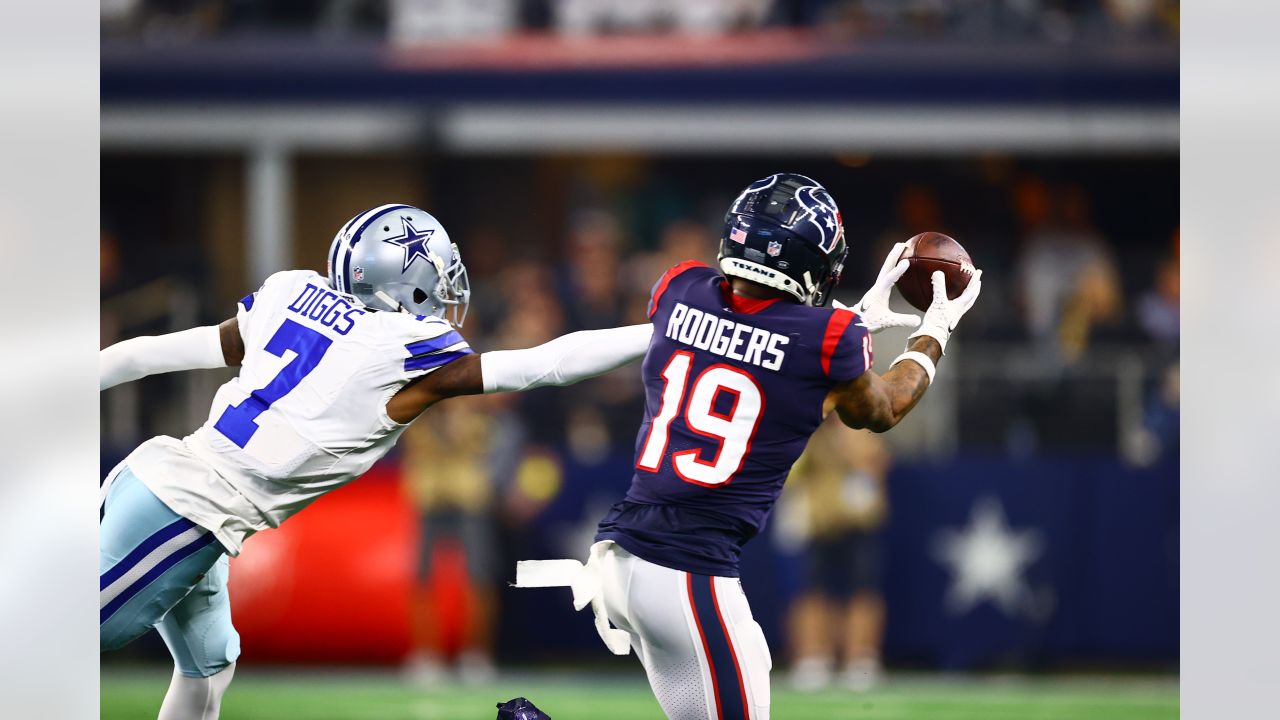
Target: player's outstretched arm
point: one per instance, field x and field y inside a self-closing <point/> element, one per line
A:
<point x="203" y="347"/>
<point x="878" y="402"/>
<point x="563" y="361"/>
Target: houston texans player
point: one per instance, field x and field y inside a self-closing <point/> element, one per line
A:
<point x="332" y="370"/>
<point x="743" y="365"/>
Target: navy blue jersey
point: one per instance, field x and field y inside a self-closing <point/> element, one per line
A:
<point x="734" y="387"/>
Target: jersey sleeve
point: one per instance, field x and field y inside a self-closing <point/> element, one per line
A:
<point x="846" y="347"/>
<point x="660" y="288"/>
<point x="430" y="344"/>
<point x="244" y="312"/>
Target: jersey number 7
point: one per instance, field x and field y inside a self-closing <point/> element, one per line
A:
<point x="732" y="430"/>
<point x="239" y="422"/>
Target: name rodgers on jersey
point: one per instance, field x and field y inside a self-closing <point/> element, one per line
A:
<point x="727" y="338"/>
<point x="327" y="308"/>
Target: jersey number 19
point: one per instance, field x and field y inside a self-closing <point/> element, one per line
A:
<point x="733" y="430"/>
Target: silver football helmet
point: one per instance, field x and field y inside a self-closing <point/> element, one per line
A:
<point x="399" y="258"/>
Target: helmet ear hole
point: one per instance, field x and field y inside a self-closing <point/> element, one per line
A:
<point x="419" y="296"/>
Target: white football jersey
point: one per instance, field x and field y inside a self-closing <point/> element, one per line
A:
<point x="307" y="413"/>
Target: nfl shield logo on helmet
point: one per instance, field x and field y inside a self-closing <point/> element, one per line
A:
<point x="357" y="273"/>
<point x="774" y="249"/>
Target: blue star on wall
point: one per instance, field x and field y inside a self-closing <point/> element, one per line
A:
<point x="413" y="241"/>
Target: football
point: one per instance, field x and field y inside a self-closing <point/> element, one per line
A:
<point x="929" y="252"/>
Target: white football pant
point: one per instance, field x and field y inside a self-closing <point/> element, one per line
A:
<point x="705" y="655"/>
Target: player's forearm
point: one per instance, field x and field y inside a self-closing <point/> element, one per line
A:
<point x="142" y="356"/>
<point x="879" y="402"/>
<point x="566" y="360"/>
<point x="907" y="381"/>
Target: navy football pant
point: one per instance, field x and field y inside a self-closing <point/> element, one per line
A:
<point x="705" y="655"/>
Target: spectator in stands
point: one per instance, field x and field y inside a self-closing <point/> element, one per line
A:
<point x="840" y="482"/>
<point x="1067" y="277"/>
<point x="1158" y="309"/>
<point x="448" y="476"/>
<point x="679" y="240"/>
<point x="916" y="210"/>
<point x="589" y="287"/>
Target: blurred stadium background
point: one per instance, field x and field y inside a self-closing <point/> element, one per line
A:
<point x="1010" y="551"/>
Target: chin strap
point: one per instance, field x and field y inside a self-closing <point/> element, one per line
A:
<point x="391" y="302"/>
<point x="764" y="275"/>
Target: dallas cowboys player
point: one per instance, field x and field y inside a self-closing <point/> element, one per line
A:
<point x="743" y="365"/>
<point x="331" y="372"/>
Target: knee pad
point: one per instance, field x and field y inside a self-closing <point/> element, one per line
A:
<point x="218" y="649"/>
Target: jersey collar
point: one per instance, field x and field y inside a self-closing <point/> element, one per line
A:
<point x="741" y="304"/>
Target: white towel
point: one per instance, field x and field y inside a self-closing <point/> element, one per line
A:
<point x="587" y="589"/>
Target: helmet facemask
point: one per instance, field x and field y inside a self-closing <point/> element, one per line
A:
<point x="454" y="289"/>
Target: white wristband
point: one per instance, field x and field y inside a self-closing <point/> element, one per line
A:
<point x="920" y="359"/>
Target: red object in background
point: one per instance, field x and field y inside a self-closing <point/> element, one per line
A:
<point x="331" y="585"/>
<point x="450" y="593"/>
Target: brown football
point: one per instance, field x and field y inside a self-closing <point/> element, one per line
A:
<point x="929" y="252"/>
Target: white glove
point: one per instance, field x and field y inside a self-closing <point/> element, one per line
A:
<point x="941" y="317"/>
<point x="873" y="309"/>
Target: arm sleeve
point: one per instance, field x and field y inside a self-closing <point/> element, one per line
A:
<point x="846" y="347"/>
<point x="566" y="360"/>
<point x="142" y="356"/>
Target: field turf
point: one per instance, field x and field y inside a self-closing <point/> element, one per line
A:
<point x="264" y="694"/>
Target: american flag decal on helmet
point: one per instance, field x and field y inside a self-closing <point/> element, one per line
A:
<point x="738" y="235"/>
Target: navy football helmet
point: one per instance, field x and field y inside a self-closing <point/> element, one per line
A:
<point x="785" y="232"/>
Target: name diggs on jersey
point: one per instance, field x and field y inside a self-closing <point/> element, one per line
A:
<point x="725" y="337"/>
<point x="327" y="308"/>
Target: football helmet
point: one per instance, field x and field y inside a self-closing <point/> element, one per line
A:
<point x="784" y="231"/>
<point x="399" y="258"/>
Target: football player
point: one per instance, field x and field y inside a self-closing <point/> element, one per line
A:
<point x="332" y="370"/>
<point x="743" y="365"/>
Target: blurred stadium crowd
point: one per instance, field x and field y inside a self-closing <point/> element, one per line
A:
<point x="973" y="21"/>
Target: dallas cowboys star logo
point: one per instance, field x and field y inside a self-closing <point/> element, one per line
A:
<point x="988" y="560"/>
<point x="413" y="241"/>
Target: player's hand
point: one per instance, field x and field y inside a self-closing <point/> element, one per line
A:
<point x="873" y="309"/>
<point x="943" y="314"/>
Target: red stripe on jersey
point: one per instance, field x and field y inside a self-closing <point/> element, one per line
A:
<point x="666" y="280"/>
<point x="742" y="687"/>
<point x="840" y="320"/>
